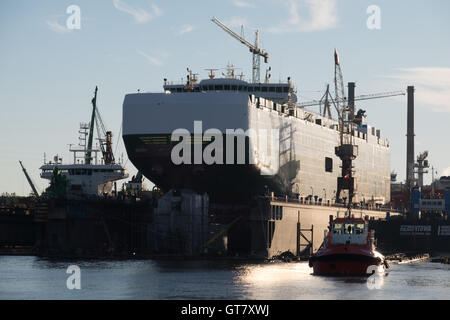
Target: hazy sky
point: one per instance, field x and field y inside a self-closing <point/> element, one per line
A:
<point x="48" y="72"/>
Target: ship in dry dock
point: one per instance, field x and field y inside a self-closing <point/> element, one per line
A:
<point x="307" y="165"/>
<point x="255" y="186"/>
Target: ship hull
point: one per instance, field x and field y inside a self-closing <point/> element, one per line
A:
<point x="220" y="181"/>
<point x="344" y="264"/>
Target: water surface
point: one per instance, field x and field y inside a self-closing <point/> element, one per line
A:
<point x="35" y="278"/>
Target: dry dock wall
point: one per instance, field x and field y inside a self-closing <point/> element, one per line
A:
<point x="274" y="225"/>
<point x="180" y="223"/>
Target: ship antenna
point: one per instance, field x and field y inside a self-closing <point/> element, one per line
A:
<point x="211" y="73"/>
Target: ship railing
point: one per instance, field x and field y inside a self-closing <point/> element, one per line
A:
<point x="329" y="203"/>
<point x="313" y="117"/>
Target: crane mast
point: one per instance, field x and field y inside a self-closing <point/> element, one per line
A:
<point x="104" y="137"/>
<point x="254" y="49"/>
<point x="358" y="98"/>
<point x="256" y="67"/>
<point x="30" y="182"/>
<point x="91" y="128"/>
<point x="339" y="89"/>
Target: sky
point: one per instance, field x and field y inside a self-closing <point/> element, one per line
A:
<point x="48" y="71"/>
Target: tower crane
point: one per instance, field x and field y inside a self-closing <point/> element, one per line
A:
<point x="254" y="49"/>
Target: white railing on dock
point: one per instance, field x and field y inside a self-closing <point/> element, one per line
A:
<point x="328" y="203"/>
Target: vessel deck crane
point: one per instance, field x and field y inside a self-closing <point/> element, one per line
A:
<point x="254" y="49"/>
<point x="30" y="182"/>
<point x="340" y="100"/>
<point x="358" y="98"/>
<point x="339" y="91"/>
<point x="104" y="137"/>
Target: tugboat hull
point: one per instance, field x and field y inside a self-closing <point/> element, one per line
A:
<point x="348" y="250"/>
<point x="344" y="265"/>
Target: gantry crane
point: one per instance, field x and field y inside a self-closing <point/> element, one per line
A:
<point x="254" y="48"/>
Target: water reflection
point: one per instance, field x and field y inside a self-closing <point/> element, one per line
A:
<point x="274" y="274"/>
<point x="33" y="278"/>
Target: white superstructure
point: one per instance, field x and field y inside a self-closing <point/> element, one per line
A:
<point x="307" y="166"/>
<point x="88" y="175"/>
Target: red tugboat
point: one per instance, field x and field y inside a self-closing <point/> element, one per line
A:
<point x="348" y="249"/>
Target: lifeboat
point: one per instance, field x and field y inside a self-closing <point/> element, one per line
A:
<point x="348" y="249"/>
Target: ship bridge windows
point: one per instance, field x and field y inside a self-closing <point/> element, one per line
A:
<point x="337" y="228"/>
<point x="223" y="87"/>
<point x="271" y="89"/>
<point x="80" y="172"/>
<point x="349" y="228"/>
<point x="264" y="89"/>
<point x="279" y="89"/>
<point x="359" y="228"/>
<point x="89" y="172"/>
<point x="286" y="89"/>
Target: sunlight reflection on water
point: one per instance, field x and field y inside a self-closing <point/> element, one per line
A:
<point x="33" y="278"/>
